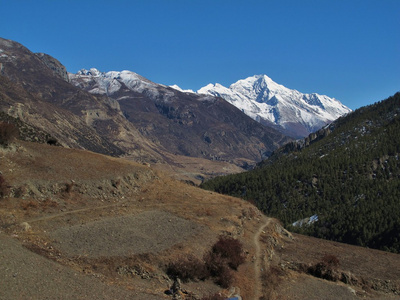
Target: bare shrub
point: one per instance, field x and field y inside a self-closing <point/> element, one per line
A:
<point x="217" y="267"/>
<point x="48" y="204"/>
<point x="214" y="263"/>
<point x="226" y="254"/>
<point x="8" y="132"/>
<point x="331" y="261"/>
<point x="187" y="268"/>
<point x="69" y="187"/>
<point x="27" y="205"/>
<point x="231" y="250"/>
<point x="3" y="186"/>
<point x="327" y="268"/>
<point x="225" y="277"/>
<point x="52" y="141"/>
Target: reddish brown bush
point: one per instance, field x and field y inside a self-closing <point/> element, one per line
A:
<point x="187" y="268"/>
<point x="225" y="277"/>
<point x="8" y="132"/>
<point x="231" y="250"/>
<point x="327" y="268"/>
<point x="27" y="205"/>
<point x="215" y="263"/>
<point x="226" y="254"/>
<point x="331" y="261"/>
<point x="48" y="204"/>
<point x="3" y="186"/>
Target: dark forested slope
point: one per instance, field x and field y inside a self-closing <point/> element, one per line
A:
<point x="349" y="178"/>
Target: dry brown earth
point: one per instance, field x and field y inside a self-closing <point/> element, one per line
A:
<point x="80" y="225"/>
<point x="376" y="273"/>
<point x="110" y="220"/>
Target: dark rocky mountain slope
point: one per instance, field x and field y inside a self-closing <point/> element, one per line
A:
<point x="143" y="123"/>
<point x="183" y="123"/>
<point x="31" y="91"/>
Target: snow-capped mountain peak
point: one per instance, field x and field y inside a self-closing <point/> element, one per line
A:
<point x="268" y="102"/>
<point x="91" y="72"/>
<point x="176" y="87"/>
<point x="272" y="104"/>
<point x="258" y="84"/>
<point x="111" y="82"/>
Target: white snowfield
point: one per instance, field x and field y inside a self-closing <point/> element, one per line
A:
<point x="267" y="101"/>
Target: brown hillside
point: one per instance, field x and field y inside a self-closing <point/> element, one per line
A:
<point x="110" y="221"/>
<point x="147" y="125"/>
<point x="76" y="224"/>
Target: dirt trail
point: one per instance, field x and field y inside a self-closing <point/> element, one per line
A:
<point x="79" y="210"/>
<point x="118" y="204"/>
<point x="258" y="262"/>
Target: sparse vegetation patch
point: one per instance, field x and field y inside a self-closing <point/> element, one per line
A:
<point x="219" y="263"/>
<point x="187" y="268"/>
<point x="327" y="268"/>
<point x="3" y="186"/>
<point x="231" y="250"/>
<point x="8" y="132"/>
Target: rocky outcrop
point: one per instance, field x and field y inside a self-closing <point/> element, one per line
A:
<point x="307" y="141"/>
<point x="316" y="136"/>
<point x="29" y="133"/>
<point x="57" y="68"/>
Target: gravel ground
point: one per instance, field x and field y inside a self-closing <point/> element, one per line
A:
<point x="26" y="275"/>
<point x="312" y="288"/>
<point x="146" y="232"/>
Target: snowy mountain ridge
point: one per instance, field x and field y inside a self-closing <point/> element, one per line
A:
<point x="270" y="103"/>
<point x="290" y="111"/>
<point x="111" y="82"/>
<point x="183" y="123"/>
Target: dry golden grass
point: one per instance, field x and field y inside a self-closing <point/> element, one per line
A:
<point x="57" y="190"/>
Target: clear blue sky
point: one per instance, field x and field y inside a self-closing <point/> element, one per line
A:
<point x="345" y="49"/>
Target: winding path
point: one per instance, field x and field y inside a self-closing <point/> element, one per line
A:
<point x="258" y="261"/>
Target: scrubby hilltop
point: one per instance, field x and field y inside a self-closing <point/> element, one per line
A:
<point x="346" y="178"/>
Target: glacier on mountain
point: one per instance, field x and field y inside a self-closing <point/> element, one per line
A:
<point x="294" y="113"/>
